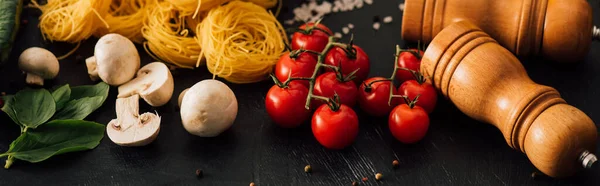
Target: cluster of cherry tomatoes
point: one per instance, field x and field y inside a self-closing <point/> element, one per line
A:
<point x="326" y="79"/>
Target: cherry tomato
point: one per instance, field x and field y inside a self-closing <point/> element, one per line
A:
<point x="373" y="99"/>
<point x="410" y="61"/>
<point x="408" y="125"/>
<point x="316" y="40"/>
<point x="338" y="55"/>
<point x="428" y="94"/>
<point x="328" y="84"/>
<point x="302" y="66"/>
<point x="285" y="106"/>
<point x="335" y="129"/>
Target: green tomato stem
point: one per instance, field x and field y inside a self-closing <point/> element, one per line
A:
<point x="9" y="162"/>
<point x="320" y="64"/>
<point x="397" y="56"/>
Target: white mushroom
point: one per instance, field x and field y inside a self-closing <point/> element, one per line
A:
<point x="39" y="64"/>
<point x="154" y="83"/>
<point x="115" y="60"/>
<point x="181" y="96"/>
<point x="208" y="108"/>
<point x="130" y="128"/>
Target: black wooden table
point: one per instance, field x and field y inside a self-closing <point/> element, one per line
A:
<point x="456" y="151"/>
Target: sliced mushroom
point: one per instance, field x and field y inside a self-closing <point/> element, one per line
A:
<point x="115" y="60"/>
<point x="154" y="83"/>
<point x="208" y="108"/>
<point x="39" y="64"/>
<point x="130" y="128"/>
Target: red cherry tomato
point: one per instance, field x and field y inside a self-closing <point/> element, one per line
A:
<point x="328" y="84"/>
<point x="316" y="40"/>
<point x="335" y="129"/>
<point x="428" y="94"/>
<point x="302" y="66"/>
<point x="338" y="55"/>
<point x="285" y="106"/>
<point x="408" y="125"/>
<point x="374" y="99"/>
<point x="410" y="61"/>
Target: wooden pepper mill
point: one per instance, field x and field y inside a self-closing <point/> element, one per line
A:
<point x="560" y="30"/>
<point x="488" y="83"/>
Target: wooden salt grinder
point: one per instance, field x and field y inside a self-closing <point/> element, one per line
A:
<point x="560" y="30"/>
<point x="488" y="83"/>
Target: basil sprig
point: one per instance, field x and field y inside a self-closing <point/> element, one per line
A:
<point x="66" y="131"/>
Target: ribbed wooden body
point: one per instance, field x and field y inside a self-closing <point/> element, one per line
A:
<point x="488" y="83"/>
<point x="558" y="29"/>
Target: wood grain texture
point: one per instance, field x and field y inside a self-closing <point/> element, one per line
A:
<point x="556" y="29"/>
<point x="457" y="150"/>
<point x="488" y="83"/>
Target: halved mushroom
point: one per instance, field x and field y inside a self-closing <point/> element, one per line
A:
<point x="130" y="128"/>
<point x="154" y="83"/>
<point x="115" y="60"/>
<point x="39" y="64"/>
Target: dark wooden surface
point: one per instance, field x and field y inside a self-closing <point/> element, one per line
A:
<point x="456" y="151"/>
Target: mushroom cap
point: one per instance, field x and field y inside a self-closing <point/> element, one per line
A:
<point x="39" y="61"/>
<point x="154" y="83"/>
<point x="130" y="128"/>
<point x="117" y="59"/>
<point x="208" y="108"/>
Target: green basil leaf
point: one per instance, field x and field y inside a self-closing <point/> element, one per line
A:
<point x="100" y="89"/>
<point x="54" y="138"/>
<point x="61" y="96"/>
<point x="8" y="108"/>
<point x="79" y="108"/>
<point x="33" y="107"/>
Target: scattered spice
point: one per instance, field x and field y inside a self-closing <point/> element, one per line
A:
<point x="395" y="163"/>
<point x="354" y="183"/>
<point x="3" y="93"/>
<point x="378" y="176"/>
<point x="535" y="175"/>
<point x="199" y="173"/>
<point x="307" y="169"/>
<point x="25" y="21"/>
<point x="376" y="19"/>
<point x="364" y="179"/>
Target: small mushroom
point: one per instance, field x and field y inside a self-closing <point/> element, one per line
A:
<point x="154" y="83"/>
<point x="181" y="96"/>
<point x="115" y="60"/>
<point x="130" y="128"/>
<point x="39" y="64"/>
<point x="208" y="108"/>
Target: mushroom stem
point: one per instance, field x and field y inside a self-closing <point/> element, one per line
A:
<point x="181" y="96"/>
<point x="92" y="68"/>
<point x="34" y="79"/>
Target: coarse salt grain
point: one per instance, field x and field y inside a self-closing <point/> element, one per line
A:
<point x="338" y="35"/>
<point x="376" y="25"/>
<point x="387" y="19"/>
<point x="350" y="26"/>
<point x="401" y="6"/>
<point x="345" y="30"/>
<point x="304" y="13"/>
